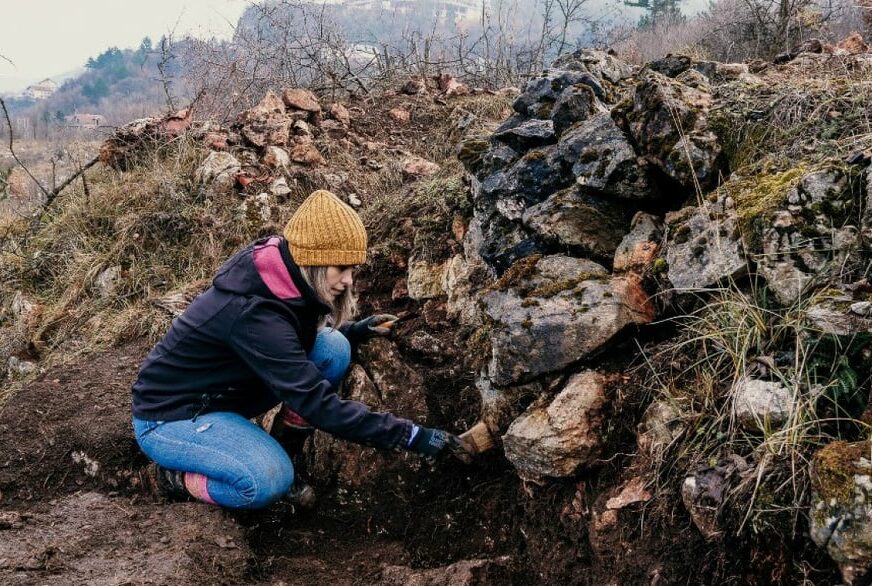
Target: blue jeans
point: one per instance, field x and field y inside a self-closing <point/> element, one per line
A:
<point x="239" y="463"/>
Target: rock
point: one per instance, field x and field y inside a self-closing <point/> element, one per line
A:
<point x="276" y="158"/>
<point x="585" y="224"/>
<point x="661" y="424"/>
<point x="424" y="279"/>
<point x="541" y="92"/>
<point x="704" y="247"/>
<point x="853" y="44"/>
<point x="400" y="115"/>
<point x="334" y="129"/>
<point x="839" y="519"/>
<point x="631" y="492"/>
<point x="547" y="313"/>
<point x="22" y="307"/>
<point x="640" y="247"/>
<point x="301" y="99"/>
<point x="107" y="281"/>
<point x="218" y="172"/>
<point x="526" y="135"/>
<point x="603" y="161"/>
<point x="425" y="344"/>
<point x="463" y="573"/>
<point x="302" y="128"/>
<point x="836" y="318"/>
<point x="11" y="520"/>
<point x="450" y="86"/>
<point x="668" y="120"/>
<point x="416" y="167"/>
<point x="559" y="438"/>
<point x="354" y="201"/>
<point x="671" y="65"/>
<point x="20" y="367"/>
<point x="529" y="180"/>
<point x="307" y="154"/>
<point x="266" y="123"/>
<point x="500" y="406"/>
<point x="138" y="137"/>
<point x="341" y="114"/>
<point x="862" y="308"/>
<point x="761" y="405"/>
<point x="576" y="104"/>
<point x="811" y="241"/>
<point x="459" y="282"/>
<point x="703" y="492"/>
<point x="414" y="87"/>
<point x="602" y="65"/>
<point x="279" y="187"/>
<point x="258" y="209"/>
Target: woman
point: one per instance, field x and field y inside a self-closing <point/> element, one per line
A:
<point x="258" y="337"/>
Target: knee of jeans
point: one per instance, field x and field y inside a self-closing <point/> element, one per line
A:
<point x="338" y="354"/>
<point x="267" y="484"/>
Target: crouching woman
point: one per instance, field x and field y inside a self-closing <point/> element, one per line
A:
<point x="257" y="337"/>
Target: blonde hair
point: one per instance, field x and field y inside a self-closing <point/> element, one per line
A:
<point x="342" y="308"/>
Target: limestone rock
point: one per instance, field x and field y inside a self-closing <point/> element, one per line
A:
<point x="449" y="86"/>
<point x="463" y="573"/>
<point x="816" y="238"/>
<point x="334" y="129"/>
<point x="602" y="65"/>
<point x="559" y="438"/>
<point x="279" y="187"/>
<point x="107" y="281"/>
<point x="603" y="161"/>
<point x="500" y="406"/>
<point x="542" y="92"/>
<point x="301" y="99"/>
<point x="400" y="115"/>
<point x="17" y="366"/>
<point x="578" y="221"/>
<point x="526" y="134"/>
<point x="761" y="405"/>
<point x="704" y="247"/>
<point x="307" y="154"/>
<point x="424" y="279"/>
<point x="548" y="313"/>
<point x="276" y="158"/>
<point x="641" y="245"/>
<point x="266" y="123"/>
<point x="841" y="501"/>
<point x="575" y="104"/>
<point x="341" y="114"/>
<point x="218" y="172"/>
<point x="668" y="120"/>
<point x="415" y="167"/>
<point x="458" y="283"/>
<point x="671" y="65"/>
<point x="661" y="424"/>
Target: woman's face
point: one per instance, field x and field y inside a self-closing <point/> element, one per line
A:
<point x="339" y="279"/>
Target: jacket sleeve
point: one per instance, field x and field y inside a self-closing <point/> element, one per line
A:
<point x="268" y="343"/>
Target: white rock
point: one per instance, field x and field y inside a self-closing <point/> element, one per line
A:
<point x="761" y="405"/>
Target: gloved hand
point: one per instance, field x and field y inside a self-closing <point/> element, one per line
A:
<point x="374" y="325"/>
<point x="431" y="443"/>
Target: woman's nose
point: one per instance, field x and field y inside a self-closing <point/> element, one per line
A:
<point x="348" y="278"/>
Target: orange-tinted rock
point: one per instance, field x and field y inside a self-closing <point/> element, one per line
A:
<point x="301" y="99"/>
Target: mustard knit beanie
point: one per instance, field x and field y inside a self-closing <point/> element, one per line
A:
<point x="325" y="231"/>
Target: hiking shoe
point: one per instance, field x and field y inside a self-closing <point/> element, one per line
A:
<point x="165" y="483"/>
<point x="301" y="495"/>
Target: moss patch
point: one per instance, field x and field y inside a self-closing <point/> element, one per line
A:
<point x="835" y="466"/>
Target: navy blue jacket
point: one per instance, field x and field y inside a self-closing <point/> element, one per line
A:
<point x="242" y="346"/>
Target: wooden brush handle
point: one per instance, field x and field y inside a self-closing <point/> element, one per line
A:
<point x="478" y="438"/>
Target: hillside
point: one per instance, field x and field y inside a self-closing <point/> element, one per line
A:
<point x="651" y="285"/>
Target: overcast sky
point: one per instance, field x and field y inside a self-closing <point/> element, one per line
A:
<point x="45" y="38"/>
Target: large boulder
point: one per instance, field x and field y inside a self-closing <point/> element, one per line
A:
<point x="521" y="134"/>
<point x="840" y="519"/>
<point x="580" y="222"/>
<point x="558" y="438"/>
<point x="541" y="92"/>
<point x="603" y="161"/>
<point x="704" y="247"/>
<point x="669" y="122"/>
<point x="546" y="313"/>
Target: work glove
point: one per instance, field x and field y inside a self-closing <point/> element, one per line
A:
<point x="430" y="443"/>
<point x="374" y="325"/>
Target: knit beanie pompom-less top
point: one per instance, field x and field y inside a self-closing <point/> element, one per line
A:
<point x="325" y="231"/>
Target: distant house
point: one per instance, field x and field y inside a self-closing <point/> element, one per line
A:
<point x="84" y="120"/>
<point x="41" y="90"/>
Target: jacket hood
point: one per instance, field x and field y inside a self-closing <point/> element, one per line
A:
<point x="266" y="269"/>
